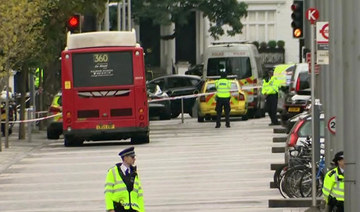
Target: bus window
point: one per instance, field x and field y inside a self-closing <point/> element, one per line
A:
<point x="102" y="69"/>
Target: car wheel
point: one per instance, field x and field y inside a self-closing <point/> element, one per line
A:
<point x="200" y="119"/>
<point x="175" y="114"/>
<point x="140" y="139"/>
<point x="52" y="134"/>
<point x="244" y="118"/>
<point x="165" y="116"/>
<point x="251" y="113"/>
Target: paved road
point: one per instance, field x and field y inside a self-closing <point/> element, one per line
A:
<point x="186" y="167"/>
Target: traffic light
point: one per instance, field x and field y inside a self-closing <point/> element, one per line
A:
<point x="297" y="16"/>
<point x="73" y="23"/>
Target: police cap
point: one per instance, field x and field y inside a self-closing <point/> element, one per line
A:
<point x="338" y="156"/>
<point x="127" y="152"/>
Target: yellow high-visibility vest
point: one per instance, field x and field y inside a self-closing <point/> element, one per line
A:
<point x="223" y="87"/>
<point x="334" y="185"/>
<point x="116" y="191"/>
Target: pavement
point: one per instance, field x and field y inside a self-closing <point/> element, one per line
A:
<point x="19" y="149"/>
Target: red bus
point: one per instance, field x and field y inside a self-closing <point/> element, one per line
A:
<point x="103" y="88"/>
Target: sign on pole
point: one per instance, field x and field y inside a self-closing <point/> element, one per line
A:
<point x="312" y="15"/>
<point x="322" y="40"/>
<point x="332" y="125"/>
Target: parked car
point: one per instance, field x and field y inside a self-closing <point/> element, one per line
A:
<point x="207" y="103"/>
<point x="159" y="106"/>
<point x="179" y="85"/>
<point x="297" y="100"/>
<point x="55" y="124"/>
<point x="195" y="70"/>
<point x="300" y="132"/>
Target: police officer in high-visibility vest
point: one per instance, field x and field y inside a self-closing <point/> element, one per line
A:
<point x="333" y="188"/>
<point x="123" y="190"/>
<point x="223" y="95"/>
<point x="270" y="89"/>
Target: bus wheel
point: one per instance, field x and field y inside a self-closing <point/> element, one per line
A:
<point x="175" y="114"/>
<point x="72" y="141"/>
<point x="140" y="139"/>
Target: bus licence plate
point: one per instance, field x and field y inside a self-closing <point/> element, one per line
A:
<point x="294" y="109"/>
<point x="105" y="126"/>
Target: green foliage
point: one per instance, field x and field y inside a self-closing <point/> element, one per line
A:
<point x="21" y="31"/>
<point x="219" y="12"/>
<point x="280" y="44"/>
<point x="272" y="44"/>
<point x="263" y="45"/>
<point x="256" y="44"/>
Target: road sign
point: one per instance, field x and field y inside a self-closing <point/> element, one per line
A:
<point x="312" y="15"/>
<point x="332" y="125"/>
<point x="322" y="39"/>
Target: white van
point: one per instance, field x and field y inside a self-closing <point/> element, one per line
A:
<point x="243" y="60"/>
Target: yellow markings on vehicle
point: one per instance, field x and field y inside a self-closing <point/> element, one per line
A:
<point x="105" y="126"/>
<point x="67" y="85"/>
<point x="294" y="109"/>
<point x="210" y="99"/>
<point x="234" y="99"/>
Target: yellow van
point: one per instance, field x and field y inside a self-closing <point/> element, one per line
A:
<point x="207" y="101"/>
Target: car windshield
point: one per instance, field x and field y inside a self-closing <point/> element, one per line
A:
<point x="239" y="66"/>
<point x="305" y="130"/>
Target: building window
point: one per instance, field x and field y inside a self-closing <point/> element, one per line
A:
<point x="259" y="25"/>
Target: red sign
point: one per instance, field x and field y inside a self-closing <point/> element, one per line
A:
<point x="324" y="31"/>
<point x="312" y="15"/>
<point x="308" y="60"/>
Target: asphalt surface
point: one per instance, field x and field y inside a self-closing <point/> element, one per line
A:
<point x="174" y="146"/>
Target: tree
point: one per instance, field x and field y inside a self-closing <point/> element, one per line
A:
<point x="219" y="12"/>
<point x="20" y="35"/>
<point x="32" y="34"/>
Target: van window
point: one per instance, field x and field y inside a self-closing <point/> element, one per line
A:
<point x="239" y="66"/>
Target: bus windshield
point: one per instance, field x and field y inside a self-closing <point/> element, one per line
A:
<point x="239" y="66"/>
<point x="102" y="69"/>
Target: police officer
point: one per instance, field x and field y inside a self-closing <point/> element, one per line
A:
<point x="223" y="95"/>
<point x="270" y="89"/>
<point x="123" y="191"/>
<point x="333" y="188"/>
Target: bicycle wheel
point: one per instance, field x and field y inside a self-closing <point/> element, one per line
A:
<point x="278" y="174"/>
<point x="292" y="180"/>
<point x="282" y="187"/>
<point x="306" y="184"/>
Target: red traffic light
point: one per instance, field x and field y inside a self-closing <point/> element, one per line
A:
<point x="74" y="21"/>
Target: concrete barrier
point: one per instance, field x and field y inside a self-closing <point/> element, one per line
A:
<point x="279" y="130"/>
<point x="278" y="150"/>
<point x="293" y="203"/>
<point x="279" y="139"/>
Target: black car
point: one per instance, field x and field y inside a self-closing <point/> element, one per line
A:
<point x="179" y="85"/>
<point x="159" y="104"/>
<point x="297" y="101"/>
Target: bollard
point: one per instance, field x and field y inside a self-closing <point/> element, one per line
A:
<point x="29" y="124"/>
<point x="182" y="110"/>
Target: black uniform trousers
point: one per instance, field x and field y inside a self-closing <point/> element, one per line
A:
<point x="220" y="104"/>
<point x="271" y="107"/>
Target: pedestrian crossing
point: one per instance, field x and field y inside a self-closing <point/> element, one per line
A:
<point x="186" y="166"/>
